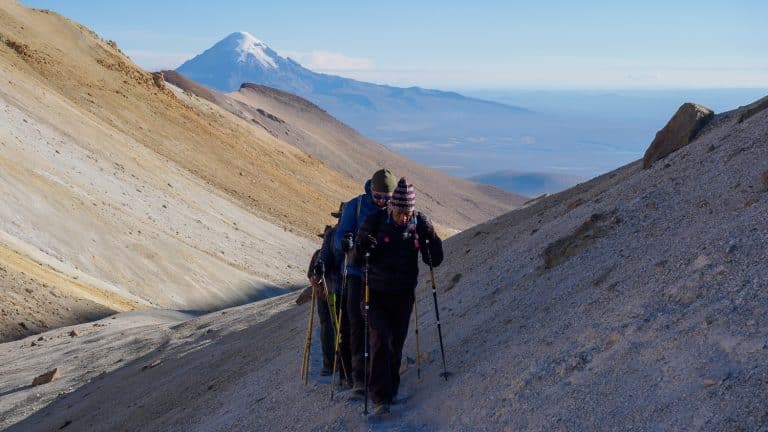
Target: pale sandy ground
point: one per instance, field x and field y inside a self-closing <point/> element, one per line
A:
<point x="655" y="319"/>
<point x="119" y="194"/>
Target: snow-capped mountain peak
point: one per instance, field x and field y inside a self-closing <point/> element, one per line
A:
<point x="249" y="47"/>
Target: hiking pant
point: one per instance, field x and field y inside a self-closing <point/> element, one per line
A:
<point x="356" y="328"/>
<point x="326" y="332"/>
<point x="388" y="318"/>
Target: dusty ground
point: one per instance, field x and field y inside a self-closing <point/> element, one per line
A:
<point x="28" y="306"/>
<point x="652" y="318"/>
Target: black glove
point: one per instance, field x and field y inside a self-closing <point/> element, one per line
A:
<point x="371" y="242"/>
<point x="425" y="227"/>
<point x="347" y="242"/>
<point x="319" y="270"/>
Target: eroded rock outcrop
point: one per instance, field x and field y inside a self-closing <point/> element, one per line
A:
<point x="681" y="129"/>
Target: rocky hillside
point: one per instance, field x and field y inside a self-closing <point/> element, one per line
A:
<point x="453" y="202"/>
<point x="634" y="301"/>
<point x="119" y="193"/>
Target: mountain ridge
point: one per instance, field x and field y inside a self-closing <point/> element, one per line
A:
<point x="453" y="203"/>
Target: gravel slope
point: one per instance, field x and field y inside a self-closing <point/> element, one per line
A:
<point x="652" y="318"/>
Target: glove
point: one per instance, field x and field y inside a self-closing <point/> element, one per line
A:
<point x="371" y="243"/>
<point x="347" y="242"/>
<point x="319" y="270"/>
<point x="425" y="227"/>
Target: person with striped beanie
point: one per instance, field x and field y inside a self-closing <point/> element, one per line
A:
<point x="393" y="239"/>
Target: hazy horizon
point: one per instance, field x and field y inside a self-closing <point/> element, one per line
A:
<point x="460" y="44"/>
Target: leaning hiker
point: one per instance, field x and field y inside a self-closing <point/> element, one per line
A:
<point x="393" y="239"/>
<point x="333" y="260"/>
<point x="316" y="275"/>
<point x="378" y="191"/>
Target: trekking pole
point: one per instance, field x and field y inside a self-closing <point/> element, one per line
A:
<point x="367" y="330"/>
<point x="437" y="311"/>
<point x="308" y="343"/>
<point x="337" y="339"/>
<point x="418" y="350"/>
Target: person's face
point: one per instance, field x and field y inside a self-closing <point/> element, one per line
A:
<point x="401" y="217"/>
<point x="381" y="199"/>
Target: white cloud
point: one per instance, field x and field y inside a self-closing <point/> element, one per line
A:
<point x="411" y="145"/>
<point x="327" y="61"/>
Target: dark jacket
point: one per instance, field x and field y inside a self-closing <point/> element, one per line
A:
<point x="333" y="259"/>
<point x="352" y="220"/>
<point x="394" y="261"/>
<point x="312" y="262"/>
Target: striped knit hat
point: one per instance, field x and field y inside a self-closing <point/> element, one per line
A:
<point x="404" y="197"/>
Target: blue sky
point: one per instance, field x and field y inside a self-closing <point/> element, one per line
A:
<point x="461" y="45"/>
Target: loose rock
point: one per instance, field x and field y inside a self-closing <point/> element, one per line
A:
<point x="47" y="377"/>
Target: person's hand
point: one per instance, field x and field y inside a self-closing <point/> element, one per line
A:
<point x="319" y="270"/>
<point x="372" y="243"/>
<point x="347" y="242"/>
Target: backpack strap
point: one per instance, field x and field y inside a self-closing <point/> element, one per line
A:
<point x="359" y="203"/>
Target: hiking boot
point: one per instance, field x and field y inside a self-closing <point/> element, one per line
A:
<point x="325" y="371"/>
<point x="381" y="409"/>
<point x="358" y="392"/>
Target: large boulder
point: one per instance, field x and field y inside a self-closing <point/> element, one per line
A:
<point x="689" y="119"/>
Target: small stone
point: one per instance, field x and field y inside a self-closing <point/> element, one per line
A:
<point x="47" y="377"/>
<point x="765" y="180"/>
<point x="41" y="338"/>
<point x="152" y="365"/>
<point x="574" y="204"/>
<point x="709" y="382"/>
<point x="74" y="333"/>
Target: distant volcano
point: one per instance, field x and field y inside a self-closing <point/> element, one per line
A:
<point x="373" y="109"/>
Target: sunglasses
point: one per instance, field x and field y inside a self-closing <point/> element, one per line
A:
<point x="382" y="196"/>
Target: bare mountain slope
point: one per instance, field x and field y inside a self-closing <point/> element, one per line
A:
<point x="634" y="301"/>
<point x="453" y="202"/>
<point x="120" y="192"/>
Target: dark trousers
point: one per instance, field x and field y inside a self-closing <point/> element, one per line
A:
<point x="326" y="331"/>
<point x="388" y="318"/>
<point x="356" y="327"/>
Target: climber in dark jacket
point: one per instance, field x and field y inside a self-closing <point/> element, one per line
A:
<point x="378" y="191"/>
<point x="319" y="275"/>
<point x="393" y="239"/>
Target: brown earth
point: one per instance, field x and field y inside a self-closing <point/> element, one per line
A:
<point x="454" y="203"/>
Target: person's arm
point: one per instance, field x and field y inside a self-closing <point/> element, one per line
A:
<point x="365" y="240"/>
<point x="347" y="224"/>
<point x="312" y="262"/>
<point x="426" y="231"/>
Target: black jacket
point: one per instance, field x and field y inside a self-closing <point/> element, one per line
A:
<point x="393" y="263"/>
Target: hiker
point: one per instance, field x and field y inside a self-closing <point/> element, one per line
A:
<point x="378" y="191"/>
<point x="315" y="273"/>
<point x="333" y="260"/>
<point x="393" y="238"/>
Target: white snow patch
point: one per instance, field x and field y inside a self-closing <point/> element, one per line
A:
<point x="250" y="45"/>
